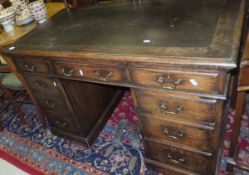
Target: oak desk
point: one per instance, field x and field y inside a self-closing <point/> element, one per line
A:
<point x="175" y="56"/>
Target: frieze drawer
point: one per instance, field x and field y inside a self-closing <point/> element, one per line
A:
<point x="188" y="135"/>
<point x="179" y="107"/>
<point x="32" y="65"/>
<point x="178" y="157"/>
<point x="90" y="72"/>
<point x="210" y="82"/>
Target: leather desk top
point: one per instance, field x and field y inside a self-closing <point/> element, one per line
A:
<point x="193" y="33"/>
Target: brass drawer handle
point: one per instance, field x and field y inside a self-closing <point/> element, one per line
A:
<point x="173" y="134"/>
<point x="60" y="124"/>
<point x="29" y="67"/>
<point x="50" y="104"/>
<point x="103" y="75"/>
<point x="165" y="108"/>
<point x="40" y="85"/>
<point x="168" y="83"/>
<point x="68" y="72"/>
<point x="176" y="158"/>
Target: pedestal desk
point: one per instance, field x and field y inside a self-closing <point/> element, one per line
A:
<point x="175" y="56"/>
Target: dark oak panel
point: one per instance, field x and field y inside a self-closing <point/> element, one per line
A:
<point x="90" y="101"/>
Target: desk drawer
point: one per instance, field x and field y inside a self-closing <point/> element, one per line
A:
<point x="48" y="94"/>
<point x="178" y="157"/>
<point x="179" y="107"/>
<point x="166" y="130"/>
<point x="89" y="71"/>
<point x="55" y="105"/>
<point x="43" y="85"/>
<point x="31" y="65"/>
<point x="177" y="80"/>
<point x="64" y="123"/>
<point x="166" y="169"/>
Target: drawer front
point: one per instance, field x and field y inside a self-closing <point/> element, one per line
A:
<point x="43" y="85"/>
<point x="63" y="123"/>
<point x="48" y="94"/>
<point x="91" y="72"/>
<point x="176" y="80"/>
<point x="178" y="133"/>
<point x="55" y="105"/>
<point x="177" y="157"/>
<point x="179" y="107"/>
<point x="166" y="169"/>
<point x="31" y="65"/>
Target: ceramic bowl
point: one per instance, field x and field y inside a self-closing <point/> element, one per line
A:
<point x="17" y="4"/>
<point x="25" y="18"/>
<point x="23" y="13"/>
<point x="38" y="10"/>
<point x="7" y="15"/>
<point x="25" y="21"/>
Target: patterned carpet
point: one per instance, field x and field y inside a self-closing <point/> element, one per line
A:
<point x="42" y="150"/>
